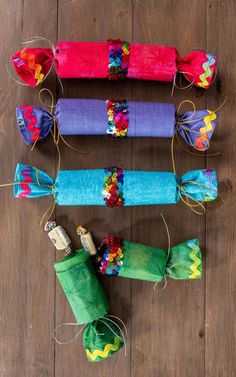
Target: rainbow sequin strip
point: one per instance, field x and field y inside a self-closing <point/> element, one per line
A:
<point x="110" y="259"/>
<point x="118" y="59"/>
<point x="113" y="187"/>
<point x="118" y="121"/>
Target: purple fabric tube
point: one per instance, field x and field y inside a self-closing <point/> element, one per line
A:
<point x="89" y="117"/>
<point x="118" y="118"/>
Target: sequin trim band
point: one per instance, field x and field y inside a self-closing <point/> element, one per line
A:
<point x="118" y="59"/>
<point x="111" y="255"/>
<point x="118" y="121"/>
<point x="113" y="187"/>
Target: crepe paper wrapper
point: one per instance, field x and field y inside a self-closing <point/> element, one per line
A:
<point x="114" y="187"/>
<point x="118" y="118"/>
<point x="89" y="305"/>
<point x="114" y="59"/>
<point x="117" y="257"/>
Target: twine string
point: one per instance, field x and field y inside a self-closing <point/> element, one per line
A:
<point x="49" y="211"/>
<point x="56" y="133"/>
<point x="167" y="254"/>
<point x="103" y="320"/>
<point x="188" y="199"/>
<point x="120" y="320"/>
<point x="180" y="124"/>
<point x="36" y="39"/>
<point x="28" y="43"/>
<point x="66" y="324"/>
<point x="183" y="194"/>
<point x="119" y="328"/>
<point x="188" y="86"/>
<point x="51" y="208"/>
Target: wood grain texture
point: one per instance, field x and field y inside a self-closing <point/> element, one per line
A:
<point x="189" y="328"/>
<point x="170" y="333"/>
<point x="27" y="279"/>
<point x="93" y="21"/>
<point x="221" y="259"/>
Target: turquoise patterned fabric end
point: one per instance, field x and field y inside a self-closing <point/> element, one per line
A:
<point x="30" y="182"/>
<point x="199" y="185"/>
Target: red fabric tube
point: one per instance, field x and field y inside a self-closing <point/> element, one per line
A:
<point x="114" y="59"/>
<point x="90" y="60"/>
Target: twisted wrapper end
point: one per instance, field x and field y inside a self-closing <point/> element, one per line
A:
<point x="198" y="186"/>
<point x="29" y="182"/>
<point x="33" y="64"/>
<point x="197" y="127"/>
<point x="185" y="261"/>
<point x="102" y="339"/>
<point x="199" y="68"/>
<point x="34" y="123"/>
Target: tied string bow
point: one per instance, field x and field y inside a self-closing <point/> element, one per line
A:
<point x="189" y="200"/>
<point x="181" y="124"/>
<point x="56" y="134"/>
<point x="107" y="320"/>
<point x="42" y="78"/>
<point x="186" y="198"/>
<point x="187" y="76"/>
<point x="49" y="211"/>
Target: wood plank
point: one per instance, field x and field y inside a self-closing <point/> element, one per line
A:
<point x="27" y="277"/>
<point x="186" y="330"/>
<point x="167" y="325"/>
<point x="95" y="21"/>
<point x="221" y="259"/>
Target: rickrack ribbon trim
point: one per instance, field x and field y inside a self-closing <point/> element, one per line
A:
<point x="118" y="59"/>
<point x="111" y="257"/>
<point x="208" y="70"/>
<point x="108" y="349"/>
<point x="118" y="121"/>
<point x="31" y="123"/>
<point x="113" y="187"/>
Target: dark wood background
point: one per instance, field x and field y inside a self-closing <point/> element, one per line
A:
<point x="189" y="328"/>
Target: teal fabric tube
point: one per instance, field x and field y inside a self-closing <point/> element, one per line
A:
<point x="114" y="187"/>
<point x="83" y="190"/>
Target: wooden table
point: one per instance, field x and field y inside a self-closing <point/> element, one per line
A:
<point x="189" y="328"/>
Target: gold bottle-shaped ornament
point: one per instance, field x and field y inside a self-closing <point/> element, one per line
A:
<point x="86" y="240"/>
<point x="59" y="237"/>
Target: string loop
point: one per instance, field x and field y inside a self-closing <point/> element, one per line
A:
<point x="180" y="124"/>
<point x="56" y="134"/>
<point x="103" y="320"/>
<point x="167" y="254"/>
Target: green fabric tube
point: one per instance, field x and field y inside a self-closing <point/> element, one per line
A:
<point x="81" y="286"/>
<point x="102" y="337"/>
<point x="143" y="262"/>
<point x="132" y="260"/>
